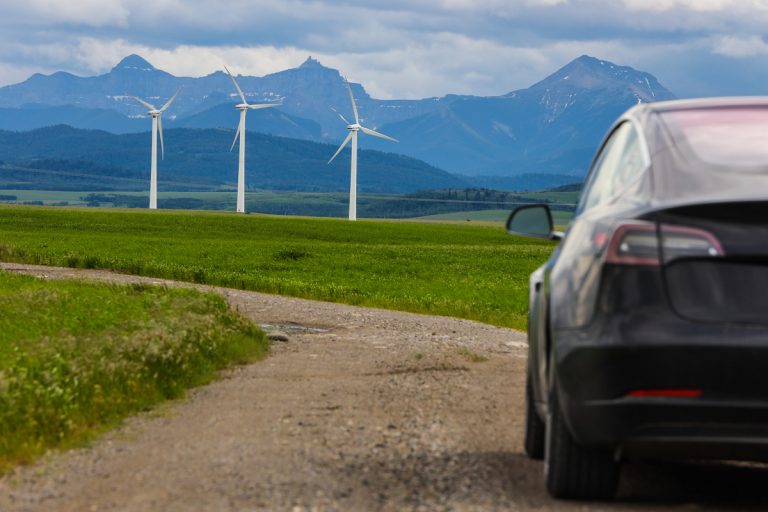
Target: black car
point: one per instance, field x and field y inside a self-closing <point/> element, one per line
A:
<point x="648" y="327"/>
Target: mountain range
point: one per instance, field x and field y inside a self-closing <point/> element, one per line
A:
<point x="551" y="127"/>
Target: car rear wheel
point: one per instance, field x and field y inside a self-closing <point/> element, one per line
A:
<point x="534" y="427"/>
<point x="574" y="471"/>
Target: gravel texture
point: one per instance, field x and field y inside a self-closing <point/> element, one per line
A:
<point x="356" y="409"/>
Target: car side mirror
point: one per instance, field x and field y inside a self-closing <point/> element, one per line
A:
<point x="532" y="220"/>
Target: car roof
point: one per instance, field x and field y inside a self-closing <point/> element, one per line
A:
<point x="727" y="101"/>
<point x="680" y="178"/>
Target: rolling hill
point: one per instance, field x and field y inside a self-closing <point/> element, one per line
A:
<point x="200" y="157"/>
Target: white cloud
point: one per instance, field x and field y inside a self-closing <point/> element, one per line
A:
<point x="696" y="5"/>
<point x="396" y="48"/>
<point x="735" y="46"/>
<point x="547" y="3"/>
<point x="14" y="73"/>
<point x="424" y="66"/>
<point x="95" y="56"/>
<point x="95" y="13"/>
<point x="495" y="4"/>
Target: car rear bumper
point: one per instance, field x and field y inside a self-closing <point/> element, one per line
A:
<point x="728" y="420"/>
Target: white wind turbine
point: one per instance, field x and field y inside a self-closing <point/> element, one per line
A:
<point x="353" y="129"/>
<point x="157" y="120"/>
<point x="243" y="108"/>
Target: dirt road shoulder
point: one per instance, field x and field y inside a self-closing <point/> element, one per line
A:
<point x="361" y="409"/>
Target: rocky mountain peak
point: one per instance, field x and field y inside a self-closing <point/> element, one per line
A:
<point x="134" y="62"/>
<point x="311" y="63"/>
<point x="589" y="73"/>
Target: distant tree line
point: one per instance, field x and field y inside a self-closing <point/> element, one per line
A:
<point x="471" y="194"/>
<point x="129" y="201"/>
<point x="428" y="202"/>
<point x="433" y="202"/>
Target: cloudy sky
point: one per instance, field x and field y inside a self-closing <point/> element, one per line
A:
<point x="398" y="48"/>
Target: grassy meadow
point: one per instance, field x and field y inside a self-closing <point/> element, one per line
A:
<point x="468" y="271"/>
<point x="560" y="218"/>
<point x="316" y="204"/>
<point x="76" y="357"/>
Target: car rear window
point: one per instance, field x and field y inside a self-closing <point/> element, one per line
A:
<point x="736" y="137"/>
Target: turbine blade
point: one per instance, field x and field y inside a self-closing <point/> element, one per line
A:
<point x="239" y="90"/>
<point x="171" y="100"/>
<point x="237" y="134"/>
<point x="257" y="106"/>
<point x="341" y="116"/>
<point x="148" y="105"/>
<point x="352" y="98"/>
<point x="160" y="128"/>
<point x="346" y="141"/>
<point x="377" y="134"/>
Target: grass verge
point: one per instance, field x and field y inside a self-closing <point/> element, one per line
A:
<point x="77" y="357"/>
<point x="474" y="272"/>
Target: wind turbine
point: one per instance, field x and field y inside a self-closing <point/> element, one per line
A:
<point x="243" y="108"/>
<point x="353" y="129"/>
<point x="157" y="120"/>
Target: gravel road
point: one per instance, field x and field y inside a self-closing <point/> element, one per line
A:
<point x="361" y="409"/>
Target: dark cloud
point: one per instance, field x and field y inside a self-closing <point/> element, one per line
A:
<point x="398" y="48"/>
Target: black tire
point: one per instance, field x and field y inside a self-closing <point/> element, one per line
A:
<point x="574" y="471"/>
<point x="534" y="427"/>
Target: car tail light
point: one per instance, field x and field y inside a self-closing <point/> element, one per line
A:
<point x="645" y="243"/>
<point x="634" y="244"/>
<point x="684" y="242"/>
<point x="665" y="393"/>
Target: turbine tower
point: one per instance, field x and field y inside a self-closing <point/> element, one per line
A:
<point x="353" y="129"/>
<point x="157" y="121"/>
<point x="243" y="108"/>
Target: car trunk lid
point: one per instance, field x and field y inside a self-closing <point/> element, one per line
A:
<point x="727" y="282"/>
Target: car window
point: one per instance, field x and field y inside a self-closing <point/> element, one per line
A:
<point x="728" y="137"/>
<point x="618" y="164"/>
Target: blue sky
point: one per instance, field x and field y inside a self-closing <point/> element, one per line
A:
<point x="398" y="48"/>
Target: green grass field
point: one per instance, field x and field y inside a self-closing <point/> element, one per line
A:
<point x="325" y="204"/>
<point x="473" y="272"/>
<point x="560" y="218"/>
<point x="76" y="357"/>
<point x="217" y="200"/>
<point x="47" y="196"/>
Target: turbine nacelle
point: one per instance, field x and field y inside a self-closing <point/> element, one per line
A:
<point x="243" y="108"/>
<point x="353" y="129"/>
<point x="157" y="114"/>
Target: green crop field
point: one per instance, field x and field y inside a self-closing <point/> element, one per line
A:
<point x="474" y="272"/>
<point x="319" y="204"/>
<point x="560" y="218"/>
<point x="76" y="357"/>
<point x="553" y="196"/>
